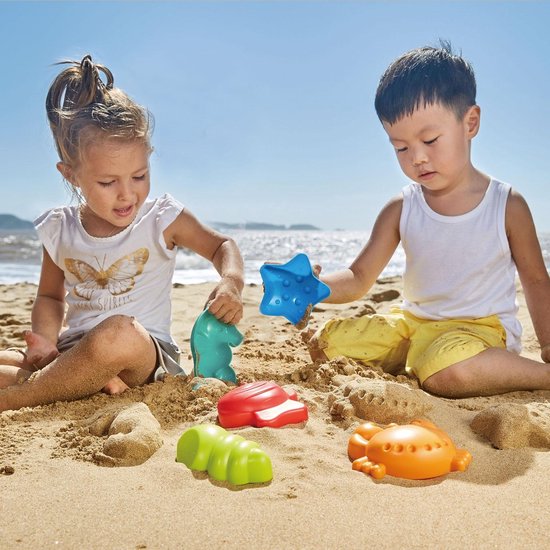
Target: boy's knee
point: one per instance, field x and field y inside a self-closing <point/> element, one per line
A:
<point x="448" y="382"/>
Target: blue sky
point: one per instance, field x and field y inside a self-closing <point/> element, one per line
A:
<point x="264" y="110"/>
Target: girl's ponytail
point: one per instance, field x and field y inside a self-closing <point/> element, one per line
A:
<point x="79" y="99"/>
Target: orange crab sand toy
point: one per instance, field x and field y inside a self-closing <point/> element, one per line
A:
<point x="418" y="450"/>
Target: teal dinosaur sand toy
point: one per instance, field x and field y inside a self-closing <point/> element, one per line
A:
<point x="211" y="343"/>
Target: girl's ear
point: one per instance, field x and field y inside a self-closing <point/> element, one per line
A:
<point x="472" y="120"/>
<point x="67" y="173"/>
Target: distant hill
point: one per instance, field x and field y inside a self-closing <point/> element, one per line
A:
<point x="222" y="226"/>
<point x="9" y="222"/>
<point x="13" y="223"/>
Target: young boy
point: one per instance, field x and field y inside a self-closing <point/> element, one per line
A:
<point x="464" y="234"/>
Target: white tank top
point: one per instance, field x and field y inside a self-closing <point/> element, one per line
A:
<point x="128" y="274"/>
<point x="460" y="267"/>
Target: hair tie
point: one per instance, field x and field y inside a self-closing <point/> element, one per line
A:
<point x="87" y="61"/>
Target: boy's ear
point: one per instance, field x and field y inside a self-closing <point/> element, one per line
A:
<point x="472" y="120"/>
<point x="67" y="172"/>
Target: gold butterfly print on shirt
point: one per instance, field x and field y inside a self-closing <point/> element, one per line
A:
<point x="119" y="278"/>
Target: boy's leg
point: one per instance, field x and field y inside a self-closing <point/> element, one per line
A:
<point x="464" y="358"/>
<point x="119" y="346"/>
<point x="375" y="340"/>
<point x="491" y="372"/>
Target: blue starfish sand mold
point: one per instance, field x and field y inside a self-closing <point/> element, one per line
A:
<point x="291" y="289"/>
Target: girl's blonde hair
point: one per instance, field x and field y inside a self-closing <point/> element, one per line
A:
<point x="82" y="108"/>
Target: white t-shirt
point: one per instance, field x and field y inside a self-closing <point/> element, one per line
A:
<point x="460" y="267"/>
<point x="129" y="273"/>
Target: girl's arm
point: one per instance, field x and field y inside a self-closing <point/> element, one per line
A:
<point x="225" y="301"/>
<point x="532" y="272"/>
<point x="352" y="283"/>
<point x="47" y="314"/>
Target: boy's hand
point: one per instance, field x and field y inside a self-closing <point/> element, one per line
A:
<point x="225" y="302"/>
<point x="303" y="322"/>
<point x="40" y="351"/>
<point x="545" y="353"/>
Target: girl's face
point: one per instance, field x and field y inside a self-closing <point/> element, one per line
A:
<point x="433" y="146"/>
<point x="113" y="179"/>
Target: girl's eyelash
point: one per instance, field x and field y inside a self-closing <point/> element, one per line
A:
<point x="401" y="150"/>
<point x="107" y="183"/>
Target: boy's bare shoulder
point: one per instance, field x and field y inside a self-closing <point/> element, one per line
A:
<point x="516" y="200"/>
<point x="388" y="218"/>
<point x="395" y="203"/>
<point x="517" y="211"/>
<point x="392" y="209"/>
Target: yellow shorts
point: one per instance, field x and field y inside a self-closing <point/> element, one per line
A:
<point x="399" y="339"/>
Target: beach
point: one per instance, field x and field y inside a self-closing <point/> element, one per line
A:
<point x="61" y="486"/>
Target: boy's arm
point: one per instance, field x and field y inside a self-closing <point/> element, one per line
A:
<point x="532" y="272"/>
<point x="352" y="283"/>
<point x="225" y="301"/>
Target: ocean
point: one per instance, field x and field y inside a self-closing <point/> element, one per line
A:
<point x="20" y="254"/>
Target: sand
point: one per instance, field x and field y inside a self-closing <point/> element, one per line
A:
<point x="100" y="473"/>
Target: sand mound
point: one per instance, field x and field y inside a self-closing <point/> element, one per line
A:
<point x="514" y="425"/>
<point x="125" y="436"/>
<point x="381" y="401"/>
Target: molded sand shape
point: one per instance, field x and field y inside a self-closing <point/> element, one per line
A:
<point x="419" y="450"/>
<point x="260" y="404"/>
<point x="291" y="289"/>
<point x="225" y="456"/>
<point x="211" y="342"/>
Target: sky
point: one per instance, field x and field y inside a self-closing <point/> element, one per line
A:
<point x="264" y="111"/>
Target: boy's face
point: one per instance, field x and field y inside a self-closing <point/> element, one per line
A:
<point x="433" y="146"/>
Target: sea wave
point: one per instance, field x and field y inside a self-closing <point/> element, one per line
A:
<point x="20" y="254"/>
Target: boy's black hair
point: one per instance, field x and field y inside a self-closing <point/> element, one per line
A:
<point x="425" y="76"/>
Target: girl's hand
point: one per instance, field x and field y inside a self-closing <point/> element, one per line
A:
<point x="225" y="302"/>
<point x="545" y="353"/>
<point x="40" y="351"/>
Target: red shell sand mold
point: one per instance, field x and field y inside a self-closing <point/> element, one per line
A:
<point x="260" y="404"/>
<point x="419" y="450"/>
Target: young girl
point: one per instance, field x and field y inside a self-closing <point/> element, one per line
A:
<point x="108" y="262"/>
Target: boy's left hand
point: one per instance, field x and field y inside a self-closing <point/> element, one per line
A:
<point x="225" y="302"/>
<point x="545" y="353"/>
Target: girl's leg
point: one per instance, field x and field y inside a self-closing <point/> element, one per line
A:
<point x="14" y="368"/>
<point x="491" y="372"/>
<point x="119" y="346"/>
